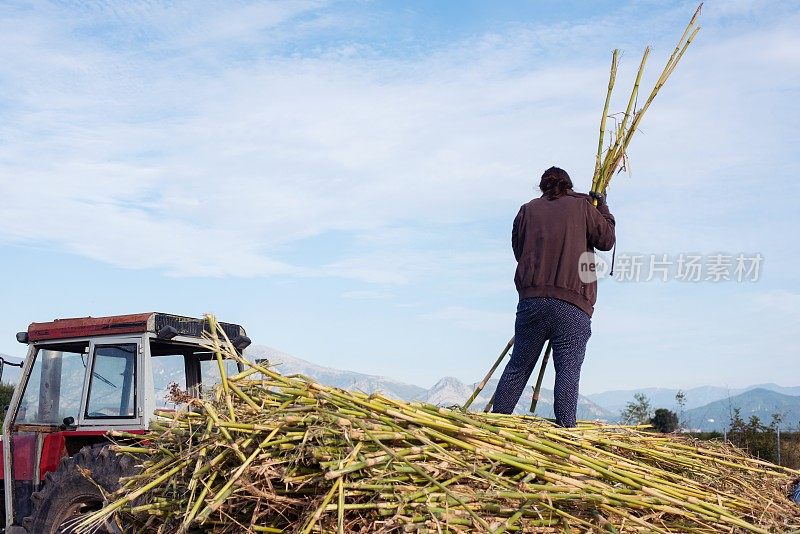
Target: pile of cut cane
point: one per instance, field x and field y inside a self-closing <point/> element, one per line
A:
<point x="274" y="453"/>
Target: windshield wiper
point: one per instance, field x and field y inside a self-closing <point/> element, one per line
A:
<point x="97" y="375"/>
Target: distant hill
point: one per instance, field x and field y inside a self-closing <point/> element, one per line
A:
<point x="777" y="389"/>
<point x="288" y="364"/>
<point x="760" y="402"/>
<point x="616" y="400"/>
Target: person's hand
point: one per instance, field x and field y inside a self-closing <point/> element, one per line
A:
<point x="599" y="197"/>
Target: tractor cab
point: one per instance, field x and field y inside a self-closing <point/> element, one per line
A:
<point x="84" y="377"/>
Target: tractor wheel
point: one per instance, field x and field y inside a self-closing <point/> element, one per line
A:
<point x="67" y="494"/>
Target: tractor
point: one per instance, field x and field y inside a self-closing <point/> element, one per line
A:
<point x="82" y="378"/>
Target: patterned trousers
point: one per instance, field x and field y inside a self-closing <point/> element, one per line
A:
<point x="539" y="320"/>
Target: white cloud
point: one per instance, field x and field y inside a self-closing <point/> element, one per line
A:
<point x="163" y="145"/>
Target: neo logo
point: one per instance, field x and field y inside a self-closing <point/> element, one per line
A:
<point x="592" y="267"/>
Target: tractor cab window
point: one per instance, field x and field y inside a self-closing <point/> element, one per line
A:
<point x="169" y="379"/>
<point x="112" y="389"/>
<point x="54" y="388"/>
<point x="183" y="368"/>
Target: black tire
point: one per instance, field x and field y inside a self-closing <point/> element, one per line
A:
<point x="67" y="493"/>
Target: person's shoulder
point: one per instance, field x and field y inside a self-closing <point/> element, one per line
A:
<point x="578" y="196"/>
<point x="534" y="201"/>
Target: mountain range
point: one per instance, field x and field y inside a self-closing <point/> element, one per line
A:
<point x="616" y="400"/>
<point x="287" y="364"/>
<point x="759" y="402"/>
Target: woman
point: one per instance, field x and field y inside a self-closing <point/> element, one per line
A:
<point x="551" y="237"/>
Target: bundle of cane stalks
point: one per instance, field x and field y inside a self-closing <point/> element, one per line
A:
<point x="614" y="158"/>
<point x="274" y="453"/>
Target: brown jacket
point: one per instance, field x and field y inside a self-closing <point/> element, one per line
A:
<point x="548" y="239"/>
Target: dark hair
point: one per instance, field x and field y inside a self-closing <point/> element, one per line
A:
<point x="555" y="182"/>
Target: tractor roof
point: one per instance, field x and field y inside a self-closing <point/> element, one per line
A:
<point x="137" y="323"/>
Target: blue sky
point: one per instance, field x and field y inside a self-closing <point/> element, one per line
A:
<point x="340" y="177"/>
